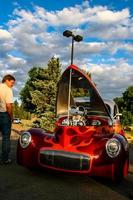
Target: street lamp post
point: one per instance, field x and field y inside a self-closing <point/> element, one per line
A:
<point x="76" y="38"/>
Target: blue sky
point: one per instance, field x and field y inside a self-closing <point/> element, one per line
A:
<point x="31" y="33"/>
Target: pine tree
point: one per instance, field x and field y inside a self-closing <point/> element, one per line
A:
<point x="25" y="95"/>
<point x="42" y="90"/>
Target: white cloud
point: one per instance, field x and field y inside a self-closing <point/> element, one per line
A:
<point x="15" y="62"/>
<point x="128" y="47"/>
<point x="116" y="32"/>
<point x="110" y="17"/>
<point x="5" y="35"/>
<point x="6" y="47"/>
<point x="68" y="16"/>
<point x="112" y="80"/>
<point x="6" y="42"/>
<point x="111" y="48"/>
<point x="90" y="47"/>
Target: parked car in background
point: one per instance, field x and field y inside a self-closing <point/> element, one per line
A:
<point x="127" y="128"/>
<point x="17" y="121"/>
<point x="88" y="137"/>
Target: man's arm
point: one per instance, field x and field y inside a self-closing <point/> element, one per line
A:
<point x="9" y="107"/>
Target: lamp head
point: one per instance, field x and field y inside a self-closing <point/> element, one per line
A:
<point x="67" y="33"/>
<point x="78" y="38"/>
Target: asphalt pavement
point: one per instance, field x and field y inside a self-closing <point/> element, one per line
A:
<point x="19" y="183"/>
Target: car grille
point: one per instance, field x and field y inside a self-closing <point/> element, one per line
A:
<point x="64" y="160"/>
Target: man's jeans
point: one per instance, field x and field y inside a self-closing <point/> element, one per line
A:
<point x="5" y="129"/>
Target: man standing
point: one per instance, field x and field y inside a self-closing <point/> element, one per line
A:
<point x="6" y="115"/>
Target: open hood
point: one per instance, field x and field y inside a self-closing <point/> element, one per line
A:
<point x="76" y="89"/>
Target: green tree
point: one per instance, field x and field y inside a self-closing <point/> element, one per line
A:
<point x="125" y="104"/>
<point x="127" y="118"/>
<point x="128" y="99"/>
<point x="19" y="111"/>
<point x="16" y="109"/>
<point x="120" y="102"/>
<point x="25" y="95"/>
<point x="42" y="89"/>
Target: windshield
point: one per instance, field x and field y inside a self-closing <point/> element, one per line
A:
<point x="83" y="94"/>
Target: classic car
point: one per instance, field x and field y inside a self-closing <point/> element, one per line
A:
<point x="87" y="139"/>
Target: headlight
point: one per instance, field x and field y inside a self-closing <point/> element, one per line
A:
<point x="25" y="139"/>
<point x="113" y="147"/>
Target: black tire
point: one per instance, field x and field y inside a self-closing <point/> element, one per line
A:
<point x="120" y="171"/>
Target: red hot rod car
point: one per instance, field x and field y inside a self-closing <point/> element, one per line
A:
<point x="88" y="137"/>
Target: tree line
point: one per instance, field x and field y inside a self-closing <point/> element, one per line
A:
<point x="20" y="112"/>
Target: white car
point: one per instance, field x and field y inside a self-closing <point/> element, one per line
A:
<point x="17" y="121"/>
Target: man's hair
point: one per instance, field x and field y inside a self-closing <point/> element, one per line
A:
<point x="8" y="77"/>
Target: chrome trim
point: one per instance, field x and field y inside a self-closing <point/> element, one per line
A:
<point x="119" y="147"/>
<point x="29" y="140"/>
<point x="64" y="160"/>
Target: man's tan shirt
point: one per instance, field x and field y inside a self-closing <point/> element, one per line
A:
<point x="6" y="96"/>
